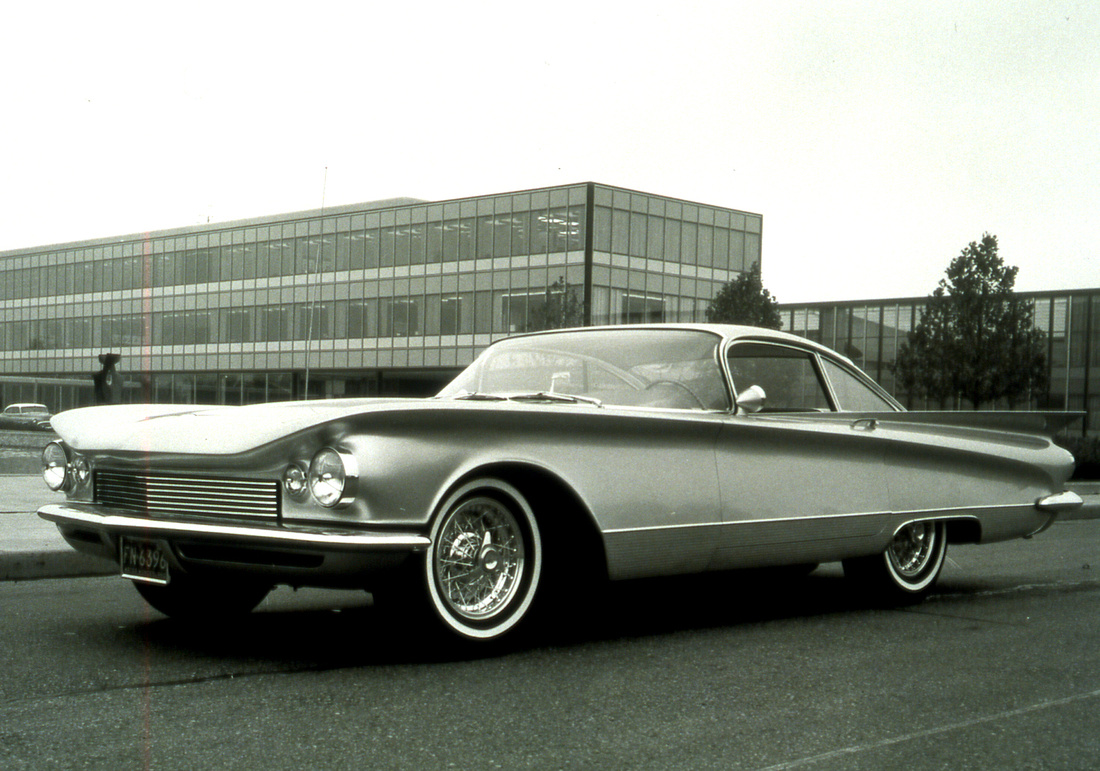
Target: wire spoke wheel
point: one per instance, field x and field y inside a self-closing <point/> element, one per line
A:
<point x="907" y="570"/>
<point x="479" y="561"/>
<point x="485" y="560"/>
<point x="913" y="548"/>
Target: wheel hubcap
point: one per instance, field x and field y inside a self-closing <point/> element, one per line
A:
<point x="490" y="559"/>
<point x="480" y="559"/>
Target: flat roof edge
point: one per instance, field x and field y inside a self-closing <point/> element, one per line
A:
<point x="327" y="211"/>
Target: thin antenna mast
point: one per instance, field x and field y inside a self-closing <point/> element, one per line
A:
<point x="309" y="300"/>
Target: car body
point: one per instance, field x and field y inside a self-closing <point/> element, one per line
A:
<point x="613" y="452"/>
<point x="25" y="415"/>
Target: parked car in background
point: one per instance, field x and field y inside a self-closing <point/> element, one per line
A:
<point x="26" y="416"/>
<point x="554" y="461"/>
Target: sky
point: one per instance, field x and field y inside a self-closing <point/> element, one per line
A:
<point x="876" y="139"/>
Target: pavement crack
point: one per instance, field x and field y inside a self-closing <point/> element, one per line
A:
<point x="961" y="725"/>
<point x="1068" y="586"/>
<point x="151" y="686"/>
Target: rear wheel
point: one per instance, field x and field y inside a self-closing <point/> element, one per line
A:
<point x="909" y="567"/>
<point x="200" y="599"/>
<point x="485" y="560"/>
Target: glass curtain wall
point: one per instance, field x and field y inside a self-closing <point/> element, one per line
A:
<point x="872" y="333"/>
<point x="415" y="285"/>
<point x="367" y="299"/>
<point x="662" y="260"/>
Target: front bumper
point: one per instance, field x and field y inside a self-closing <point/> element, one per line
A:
<point x="299" y="555"/>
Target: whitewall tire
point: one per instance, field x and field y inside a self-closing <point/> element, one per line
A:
<point x="910" y="566"/>
<point x="484" y="563"/>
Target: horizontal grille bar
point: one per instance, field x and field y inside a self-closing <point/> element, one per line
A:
<point x="170" y="495"/>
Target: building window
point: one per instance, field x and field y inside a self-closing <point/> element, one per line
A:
<point x="401" y="317"/>
<point x="638" y="309"/>
<point x="450" y="314"/>
<point x="236" y="326"/>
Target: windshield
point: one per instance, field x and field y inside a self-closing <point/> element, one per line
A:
<point x="671" y="368"/>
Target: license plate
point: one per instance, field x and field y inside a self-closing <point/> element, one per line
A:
<point x="142" y="561"/>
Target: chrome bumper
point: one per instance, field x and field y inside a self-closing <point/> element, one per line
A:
<point x="1072" y="505"/>
<point x="111" y="522"/>
<point x="1058" y="503"/>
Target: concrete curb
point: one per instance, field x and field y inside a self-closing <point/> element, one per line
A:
<point x="33" y="565"/>
<point x="25" y="440"/>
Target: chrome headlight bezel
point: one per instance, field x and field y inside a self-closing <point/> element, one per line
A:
<point x="55" y="467"/>
<point x="296" y="482"/>
<point x="333" y="478"/>
<point x="80" y="470"/>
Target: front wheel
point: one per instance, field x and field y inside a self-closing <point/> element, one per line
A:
<point x="485" y="560"/>
<point x="202" y="600"/>
<point x="909" y="567"/>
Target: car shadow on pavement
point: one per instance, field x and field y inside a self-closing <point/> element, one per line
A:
<point x="354" y="633"/>
<point x="734" y="599"/>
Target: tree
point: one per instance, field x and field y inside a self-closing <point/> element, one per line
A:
<point x="976" y="339"/>
<point x="924" y="365"/>
<point x="560" y="309"/>
<point x="745" y="301"/>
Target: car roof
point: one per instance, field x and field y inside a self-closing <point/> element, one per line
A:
<point x="24" y="406"/>
<point x="728" y="332"/>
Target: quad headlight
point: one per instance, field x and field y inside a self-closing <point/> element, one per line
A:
<point x="79" y="470"/>
<point x="333" y="478"/>
<point x="296" y="482"/>
<point x="55" y="467"/>
<point x="64" y="470"/>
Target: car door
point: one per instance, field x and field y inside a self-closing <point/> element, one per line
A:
<point x="796" y="484"/>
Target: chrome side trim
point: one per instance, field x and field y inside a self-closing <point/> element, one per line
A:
<point x="67" y="514"/>
<point x="1059" y="502"/>
<point x="914" y="515"/>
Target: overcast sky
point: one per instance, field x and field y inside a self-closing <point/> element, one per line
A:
<point x="876" y="139"/>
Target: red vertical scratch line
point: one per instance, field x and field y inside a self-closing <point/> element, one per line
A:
<point x="147" y="318"/>
<point x="147" y="711"/>
<point x="147" y="393"/>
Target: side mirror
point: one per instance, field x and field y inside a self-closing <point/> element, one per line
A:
<point x="751" y="399"/>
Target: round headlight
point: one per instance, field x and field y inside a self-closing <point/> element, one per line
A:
<point x="80" y="470"/>
<point x="295" y="482"/>
<point x="55" y="467"/>
<point x="333" y="477"/>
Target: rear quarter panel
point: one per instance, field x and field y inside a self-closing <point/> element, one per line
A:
<point x="993" y="476"/>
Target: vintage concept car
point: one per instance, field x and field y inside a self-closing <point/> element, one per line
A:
<point x="617" y="452"/>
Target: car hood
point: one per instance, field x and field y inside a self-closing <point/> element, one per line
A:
<point x="205" y="430"/>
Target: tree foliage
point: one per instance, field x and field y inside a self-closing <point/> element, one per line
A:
<point x="976" y="338"/>
<point x="561" y="308"/>
<point x="745" y="301"/>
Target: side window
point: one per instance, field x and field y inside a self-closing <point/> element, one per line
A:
<point x="852" y="393"/>
<point x="787" y="375"/>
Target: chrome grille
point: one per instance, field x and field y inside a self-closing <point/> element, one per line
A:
<point x="172" y="495"/>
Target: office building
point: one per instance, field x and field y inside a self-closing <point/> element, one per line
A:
<point x="391" y="297"/>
